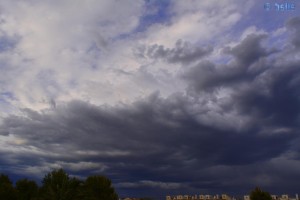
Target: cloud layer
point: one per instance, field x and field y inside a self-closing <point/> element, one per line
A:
<point x="183" y="104"/>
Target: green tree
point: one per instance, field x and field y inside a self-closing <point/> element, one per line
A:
<point x="7" y="190"/>
<point x="26" y="189"/>
<point x="258" y="194"/>
<point x="57" y="185"/>
<point x="98" y="188"/>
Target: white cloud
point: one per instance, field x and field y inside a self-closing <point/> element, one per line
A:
<point x="77" y="49"/>
<point x="59" y="45"/>
<point x="198" y="21"/>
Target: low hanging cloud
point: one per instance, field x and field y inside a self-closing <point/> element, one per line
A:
<point x="152" y="184"/>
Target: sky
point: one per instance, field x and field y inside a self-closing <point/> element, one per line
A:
<point x="163" y="97"/>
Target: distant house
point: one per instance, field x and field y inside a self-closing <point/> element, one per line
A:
<point x="274" y="197"/>
<point x="127" y="198"/>
<point x="223" y="197"/>
<point x="199" y="197"/>
<point x="246" y="197"/>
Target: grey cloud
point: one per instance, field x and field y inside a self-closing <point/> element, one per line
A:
<point x="280" y="103"/>
<point x="269" y="93"/>
<point x="145" y="183"/>
<point x="252" y="64"/>
<point x="294" y="25"/>
<point x="183" y="52"/>
<point x="249" y="50"/>
<point x="245" y="66"/>
<point x="7" y="43"/>
<point x="4" y="132"/>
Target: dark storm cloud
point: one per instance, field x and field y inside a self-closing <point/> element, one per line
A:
<point x="248" y="62"/>
<point x="269" y="96"/>
<point x="269" y="92"/>
<point x="183" y="52"/>
<point x="167" y="143"/>
<point x="155" y="142"/>
<point x="280" y="103"/>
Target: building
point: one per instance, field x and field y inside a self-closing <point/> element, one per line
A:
<point x="224" y="197"/>
<point x="274" y="197"/>
<point x="199" y="197"/>
<point x="246" y="197"/>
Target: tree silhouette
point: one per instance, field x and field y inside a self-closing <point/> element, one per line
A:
<point x="100" y="188"/>
<point x="26" y="189"/>
<point x="7" y="190"/>
<point x="258" y="194"/>
<point x="57" y="185"/>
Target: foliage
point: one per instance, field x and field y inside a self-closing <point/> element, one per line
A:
<point x="26" y="189"/>
<point x="258" y="194"/>
<point x="100" y="188"/>
<point x="7" y="190"/>
<point x="57" y="185"/>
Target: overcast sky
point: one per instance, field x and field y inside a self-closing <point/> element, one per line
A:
<point x="163" y="97"/>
